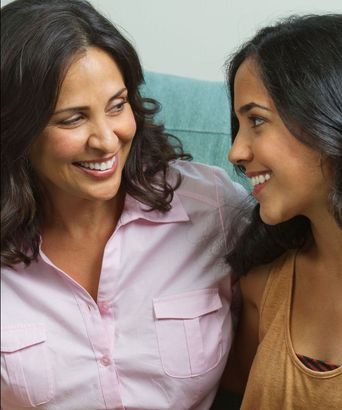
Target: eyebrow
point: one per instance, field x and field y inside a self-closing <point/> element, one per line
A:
<point x="82" y="108"/>
<point x="247" y="107"/>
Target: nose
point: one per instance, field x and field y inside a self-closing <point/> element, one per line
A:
<point x="241" y="151"/>
<point x="102" y="136"/>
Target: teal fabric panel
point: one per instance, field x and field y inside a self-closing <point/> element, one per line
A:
<point x="197" y="112"/>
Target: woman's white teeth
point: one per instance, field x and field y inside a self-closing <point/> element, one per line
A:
<point x="98" y="166"/>
<point x="260" y="179"/>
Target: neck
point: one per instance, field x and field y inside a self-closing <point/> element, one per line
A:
<point x="79" y="217"/>
<point x="327" y="246"/>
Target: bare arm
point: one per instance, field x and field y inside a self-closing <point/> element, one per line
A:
<point x="247" y="336"/>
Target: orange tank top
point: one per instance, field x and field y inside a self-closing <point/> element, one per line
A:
<point x="278" y="379"/>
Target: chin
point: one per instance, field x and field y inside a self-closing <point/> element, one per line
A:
<point x="272" y="217"/>
<point x="105" y="195"/>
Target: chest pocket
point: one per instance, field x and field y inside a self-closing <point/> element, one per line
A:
<point x="27" y="378"/>
<point x="189" y="331"/>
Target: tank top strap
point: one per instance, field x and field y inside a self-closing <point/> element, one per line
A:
<point x="278" y="289"/>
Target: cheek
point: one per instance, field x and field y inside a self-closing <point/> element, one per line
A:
<point x="131" y="128"/>
<point x="128" y="125"/>
<point x="127" y="135"/>
<point x="60" y="146"/>
<point x="307" y="167"/>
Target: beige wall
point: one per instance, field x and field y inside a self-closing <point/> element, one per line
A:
<point x="193" y="37"/>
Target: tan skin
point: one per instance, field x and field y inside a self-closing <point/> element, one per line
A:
<point x="92" y="123"/>
<point x="263" y="144"/>
<point x="64" y="244"/>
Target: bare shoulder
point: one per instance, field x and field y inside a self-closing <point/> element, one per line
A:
<point x="247" y="336"/>
<point x="254" y="283"/>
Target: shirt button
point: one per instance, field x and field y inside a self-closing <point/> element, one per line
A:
<point x="106" y="361"/>
<point x="103" y="307"/>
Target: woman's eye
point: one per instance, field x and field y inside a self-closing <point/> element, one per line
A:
<point x="74" y="120"/>
<point x="117" y="106"/>
<point x="256" y="121"/>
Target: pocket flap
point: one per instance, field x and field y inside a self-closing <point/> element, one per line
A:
<point x="187" y="305"/>
<point x="18" y="337"/>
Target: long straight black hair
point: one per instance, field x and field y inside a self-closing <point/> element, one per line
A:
<point x="40" y="39"/>
<point x="299" y="60"/>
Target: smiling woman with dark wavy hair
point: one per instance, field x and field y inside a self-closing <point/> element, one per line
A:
<point x="112" y="243"/>
<point x="34" y="63"/>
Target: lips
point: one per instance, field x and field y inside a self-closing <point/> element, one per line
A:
<point x="259" y="180"/>
<point x="98" y="169"/>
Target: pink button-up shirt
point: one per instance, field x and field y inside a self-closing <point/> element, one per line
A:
<point x="157" y="337"/>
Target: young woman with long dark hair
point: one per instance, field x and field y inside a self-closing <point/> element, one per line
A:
<point x="286" y="87"/>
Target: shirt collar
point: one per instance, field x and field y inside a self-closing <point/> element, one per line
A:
<point x="133" y="210"/>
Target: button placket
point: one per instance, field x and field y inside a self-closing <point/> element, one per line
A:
<point x="103" y="346"/>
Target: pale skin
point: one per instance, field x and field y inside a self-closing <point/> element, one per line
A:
<point x="299" y="185"/>
<point x="93" y="122"/>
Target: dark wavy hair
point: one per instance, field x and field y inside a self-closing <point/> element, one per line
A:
<point x="299" y="60"/>
<point x="39" y="41"/>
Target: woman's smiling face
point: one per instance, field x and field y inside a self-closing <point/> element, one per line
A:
<point x="286" y="175"/>
<point x="82" y="151"/>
